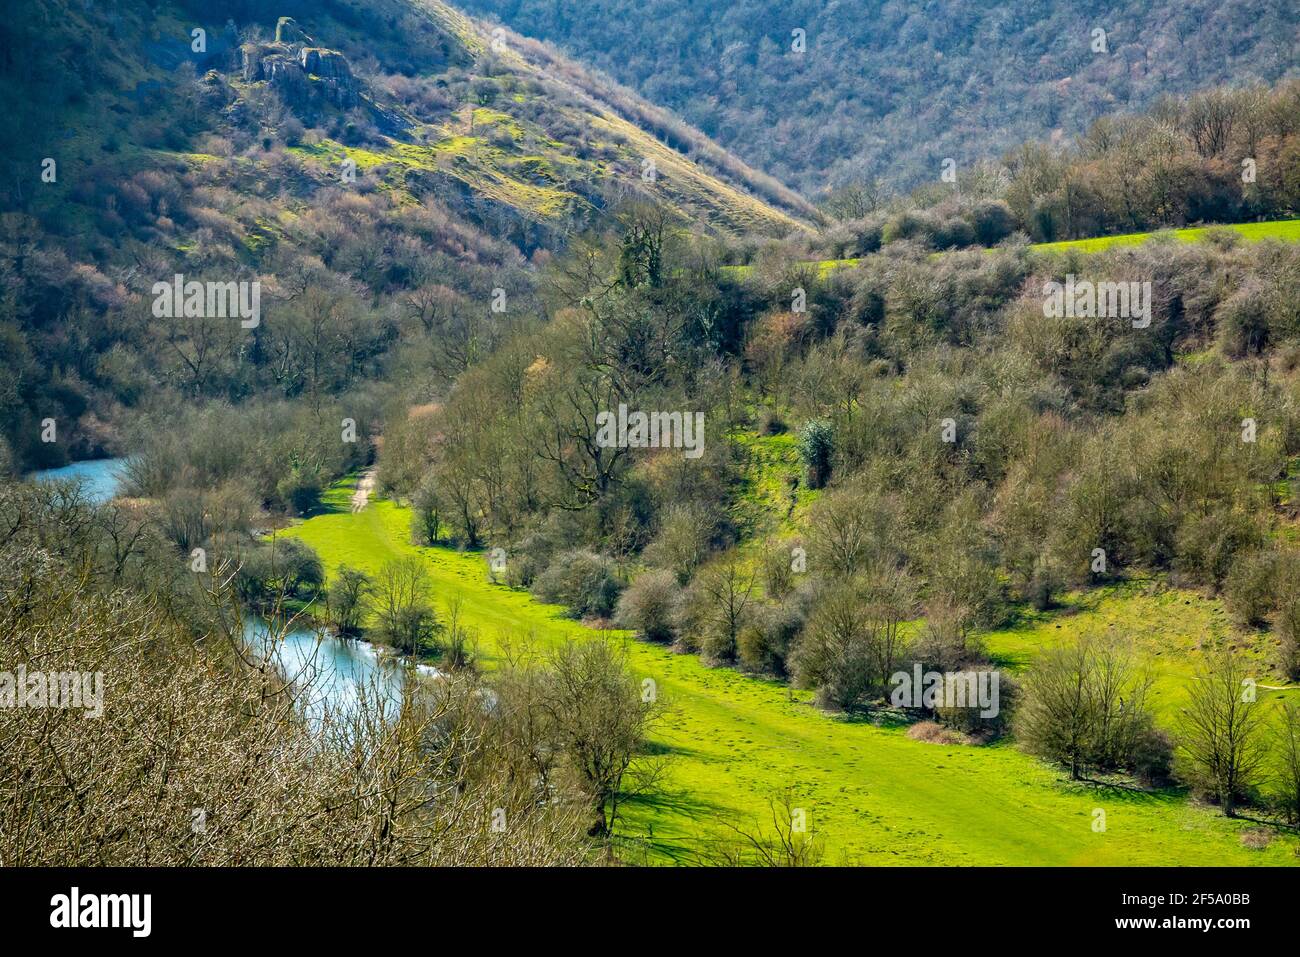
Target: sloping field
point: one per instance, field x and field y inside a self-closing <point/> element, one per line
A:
<point x="873" y="795"/>
<point x="1171" y="628"/>
<point x="1286" y="230"/>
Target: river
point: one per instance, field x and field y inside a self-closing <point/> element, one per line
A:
<point x="337" y="667"/>
<point x="100" y="478"/>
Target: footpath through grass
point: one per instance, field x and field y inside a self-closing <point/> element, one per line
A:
<point x="872" y="794"/>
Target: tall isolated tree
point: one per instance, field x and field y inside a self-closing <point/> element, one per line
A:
<point x="599" y="716"/>
<point x="406" y="619"/>
<point x="1222" y="737"/>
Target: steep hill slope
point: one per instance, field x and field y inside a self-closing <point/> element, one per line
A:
<point x="889" y="89"/>
<point x="382" y="168"/>
<point x="423" y="93"/>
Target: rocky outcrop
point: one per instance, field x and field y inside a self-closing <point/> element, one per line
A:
<point x="288" y="31"/>
<point x="216" y="92"/>
<point x="329" y="69"/>
<point x="306" y="77"/>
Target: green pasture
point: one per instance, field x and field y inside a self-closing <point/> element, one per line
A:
<point x="871" y="794"/>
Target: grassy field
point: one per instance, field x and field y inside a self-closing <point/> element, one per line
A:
<point x="1171" y="629"/>
<point x="1287" y="230"/>
<point x="873" y="795"/>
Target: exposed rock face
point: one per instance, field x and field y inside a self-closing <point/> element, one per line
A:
<point x="305" y="77"/>
<point x="330" y="69"/>
<point x="288" y="31"/>
<point x="322" y="62"/>
<point x="215" y="90"/>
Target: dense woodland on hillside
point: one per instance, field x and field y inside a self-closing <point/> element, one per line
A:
<point x="888" y="90"/>
<point x="900" y="452"/>
<point x="1223" y="155"/>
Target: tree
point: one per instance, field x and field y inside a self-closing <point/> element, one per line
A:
<point x="649" y="605"/>
<point x="850" y="530"/>
<point x="1222" y="738"/>
<point x="856" y="199"/>
<point x="600" y="718"/>
<point x="833" y="655"/>
<point x="426" y="507"/>
<point x="721" y="594"/>
<point x="853" y="640"/>
<point x="1084" y="705"/>
<point x="816" y="447"/>
<point x="793" y="842"/>
<point x="405" y="617"/>
<point x="1287" y="745"/>
<point x="348" y="599"/>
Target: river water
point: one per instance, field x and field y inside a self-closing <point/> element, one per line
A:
<point x="101" y="478"/>
<point x="337" y="668"/>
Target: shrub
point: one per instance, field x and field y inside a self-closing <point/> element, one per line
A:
<point x="1206" y="545"/>
<point x="816" y="447"/>
<point x="765" y="642"/>
<point x="834" y="655"/>
<point x="852" y="642"/>
<point x="932" y="732"/>
<point x="970" y="721"/>
<point x="1250" y="587"/>
<point x="649" y="604"/>
<point x="526" y="560"/>
<point x="910" y="224"/>
<point x="282" y="568"/>
<point x="1287" y="623"/>
<point x="992" y="222"/>
<point x="582" y="581"/>
<point x="1243" y="322"/>
<point x="1152" y="757"/>
<point x="348" y="599"/>
<point x="299" y="491"/>
<point x="953" y="233"/>
<point x="778" y="569"/>
<point x="682" y="543"/>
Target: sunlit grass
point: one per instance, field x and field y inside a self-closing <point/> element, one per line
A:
<point x="872" y="794"/>
<point x="1286" y="230"/>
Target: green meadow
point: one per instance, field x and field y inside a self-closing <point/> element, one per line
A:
<point x="1285" y="230"/>
<point x="1171" y="630"/>
<point x="870" y="793"/>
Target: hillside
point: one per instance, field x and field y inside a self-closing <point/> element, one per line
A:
<point x="491" y="469"/>
<point x="889" y="90"/>
<point x="420" y="93"/>
<point x="360" y="150"/>
<point x="873" y="795"/>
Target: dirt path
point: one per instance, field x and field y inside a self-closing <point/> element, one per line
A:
<point x="365" y="486"/>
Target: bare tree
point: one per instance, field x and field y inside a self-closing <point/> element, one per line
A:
<point x="1222" y="737"/>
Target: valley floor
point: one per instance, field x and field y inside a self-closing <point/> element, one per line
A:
<point x="873" y="795"/>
